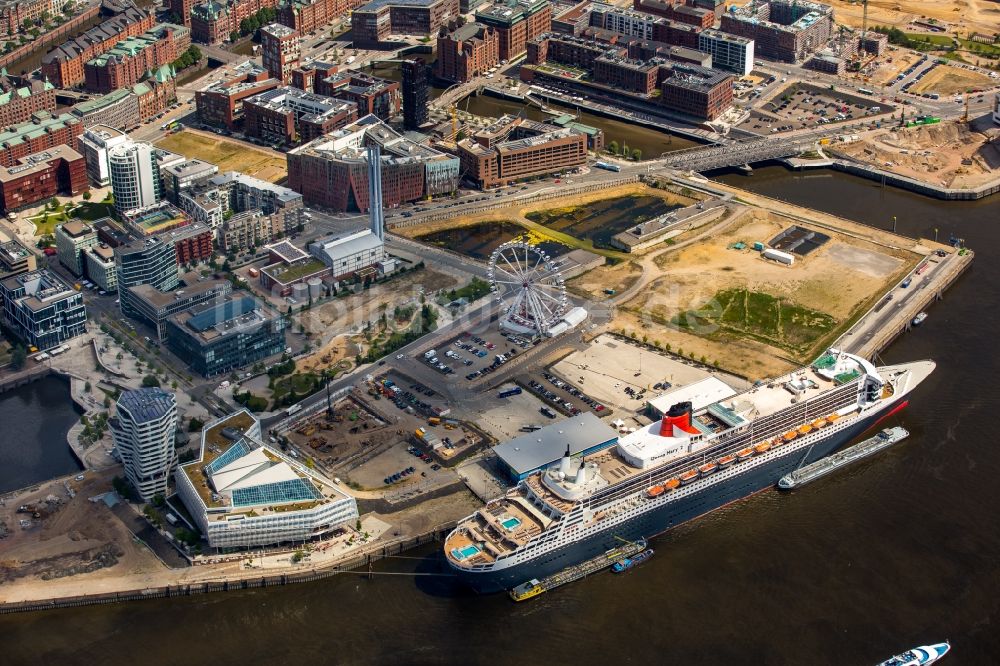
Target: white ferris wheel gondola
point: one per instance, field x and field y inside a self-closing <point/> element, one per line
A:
<point x="525" y="277"/>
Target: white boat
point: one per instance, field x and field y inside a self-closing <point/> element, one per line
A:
<point x="919" y="319"/>
<point x="919" y="656"/>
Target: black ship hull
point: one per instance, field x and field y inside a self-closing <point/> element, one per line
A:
<point x="661" y="519"/>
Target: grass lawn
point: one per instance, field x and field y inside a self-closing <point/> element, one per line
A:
<point x="228" y="155"/>
<point x="302" y="384"/>
<point x="759" y="316"/>
<point x="937" y="40"/>
<point x="977" y="48"/>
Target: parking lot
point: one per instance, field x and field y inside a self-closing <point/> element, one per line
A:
<point x="471" y="355"/>
<point x="401" y="473"/>
<point x="513" y="415"/>
<point x="803" y="106"/>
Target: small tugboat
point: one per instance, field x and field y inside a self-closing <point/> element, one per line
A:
<point x="623" y="565"/>
<point x="919" y="656"/>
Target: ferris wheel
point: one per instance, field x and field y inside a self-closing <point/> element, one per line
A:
<point x="526" y="278"/>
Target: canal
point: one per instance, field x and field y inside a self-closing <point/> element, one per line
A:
<point x="896" y="551"/>
<point x="35" y="419"/>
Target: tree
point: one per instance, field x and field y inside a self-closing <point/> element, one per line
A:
<point x="195" y="424"/>
<point x="636" y="154"/>
<point x="86" y="195"/>
<point x="150" y="381"/>
<point x="613" y="147"/>
<point x="18" y="357"/>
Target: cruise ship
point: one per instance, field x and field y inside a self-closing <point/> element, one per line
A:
<point x="689" y="463"/>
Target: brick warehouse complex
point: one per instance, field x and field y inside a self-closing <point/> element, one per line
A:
<point x="213" y="21"/>
<point x="373" y="22"/>
<point x="372" y="95"/>
<point x="786" y="30"/>
<point x="19" y="100"/>
<point x="332" y="171"/>
<point x="466" y="52"/>
<point x="130" y="60"/>
<point x="517" y="22"/>
<point x="220" y="104"/>
<point x="64" y="65"/>
<point x="41" y="176"/>
<point x="291" y="116"/>
<point x="514" y="148"/>
<point x="42" y="132"/>
<point x="307" y="16"/>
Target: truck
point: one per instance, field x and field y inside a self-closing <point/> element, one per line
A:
<point x="434" y="420"/>
<point x="509" y="392"/>
<point x="294" y="408"/>
<point x="547" y="412"/>
<point x="171" y="518"/>
<point x="253" y="272"/>
<point x="429" y="354"/>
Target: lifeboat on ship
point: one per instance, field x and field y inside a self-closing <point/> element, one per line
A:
<point x="790" y="435"/>
<point x="671" y="484"/>
<point x="762" y="447"/>
<point x="819" y="423"/>
<point x="708" y="468"/>
<point x="726" y="461"/>
<point x="687" y="477"/>
<point x="832" y="417"/>
<point x="655" y="492"/>
<point x="743" y="454"/>
<point x="805" y="429"/>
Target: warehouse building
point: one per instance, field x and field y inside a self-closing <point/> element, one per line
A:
<point x="527" y="454"/>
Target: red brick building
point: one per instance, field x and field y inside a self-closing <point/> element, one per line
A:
<point x="569" y="50"/>
<point x="677" y="11"/>
<point x="221" y="104"/>
<point x="696" y="91"/>
<point x="517" y="22"/>
<point x="155" y="94"/>
<point x="64" y="65"/>
<point x="291" y="116"/>
<point x="181" y="10"/>
<point x="193" y="242"/>
<point x="638" y="76"/>
<point x="19" y="99"/>
<point x="371" y="94"/>
<point x="41" y="176"/>
<point x="280" y="49"/>
<point x="308" y="15"/>
<point x="42" y="132"/>
<point x="130" y="60"/>
<point x="466" y="52"/>
<point x="213" y="21"/>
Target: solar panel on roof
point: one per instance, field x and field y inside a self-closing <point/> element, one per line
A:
<point x="293" y="490"/>
<point x="234" y="452"/>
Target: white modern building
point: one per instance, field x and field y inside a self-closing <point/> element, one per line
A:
<point x="730" y="52"/>
<point x="135" y="176"/>
<point x="100" y="263"/>
<point x="243" y="493"/>
<point x="94" y="146"/>
<point x="144" y="428"/>
<point x="623" y="21"/>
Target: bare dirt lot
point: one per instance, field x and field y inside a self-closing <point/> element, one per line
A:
<point x="886" y="72"/>
<point x="228" y="155"/>
<point x="964" y="15"/>
<point x="754" y="317"/>
<point x="593" y="284"/>
<point x="947" y="80"/>
<point x="948" y="154"/>
<point x="67" y="537"/>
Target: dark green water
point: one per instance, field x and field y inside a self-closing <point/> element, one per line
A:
<point x="601" y="220"/>
<point x="479" y="240"/>
<point x="896" y="551"/>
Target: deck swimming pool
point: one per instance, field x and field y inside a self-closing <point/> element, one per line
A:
<point x="464" y="553"/>
<point x="510" y="523"/>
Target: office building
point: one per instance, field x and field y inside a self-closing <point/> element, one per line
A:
<point x="144" y="429"/>
<point x="99" y="261"/>
<point x="42" y="132"/>
<point x="242" y="493"/>
<point x="465" y="52"/>
<point x="63" y="66"/>
<point x="94" y="145"/>
<point x="729" y="52"/>
<point x="220" y="104"/>
<point x="373" y="22"/>
<point x="416" y="93"/>
<point x="151" y="261"/>
<point x="135" y="176"/>
<point x="515" y="148"/>
<point x="118" y="109"/>
<point x="332" y="171"/>
<point x="696" y="91"/>
<point x="155" y="306"/>
<point x="517" y="22"/>
<point x="372" y="95"/>
<point x="42" y="310"/>
<point x="183" y="176"/>
<point x="15" y="257"/>
<point x="41" y="176"/>
<point x="227" y="334"/>
<point x="280" y="50"/>
<point x="785" y="30"/>
<point x="72" y="238"/>
<point x="291" y="116"/>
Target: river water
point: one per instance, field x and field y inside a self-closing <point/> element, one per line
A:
<point x="34" y="420"/>
<point x="896" y="551"/>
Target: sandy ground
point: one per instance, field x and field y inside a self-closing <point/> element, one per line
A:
<point x="228" y="155"/>
<point x="948" y="79"/>
<point x="837" y="279"/>
<point x="965" y="15"/>
<point x="518" y="214"/>
<point x="887" y="71"/>
<point x="619" y="277"/>
<point x="947" y="153"/>
<point x="76" y="534"/>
